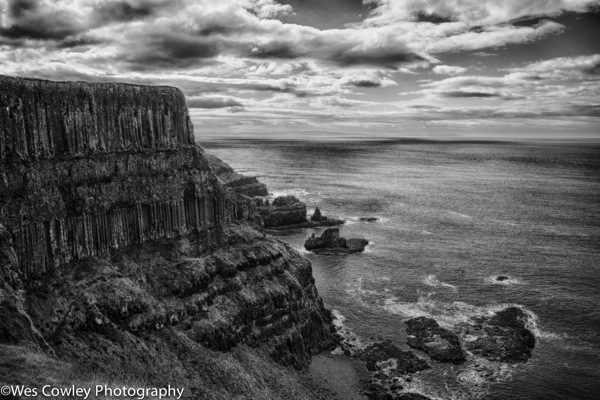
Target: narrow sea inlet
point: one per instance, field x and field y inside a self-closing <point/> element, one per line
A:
<point x="463" y="230"/>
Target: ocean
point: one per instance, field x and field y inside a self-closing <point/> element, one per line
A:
<point x="453" y="216"/>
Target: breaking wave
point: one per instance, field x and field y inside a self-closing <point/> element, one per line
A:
<point x="433" y="281"/>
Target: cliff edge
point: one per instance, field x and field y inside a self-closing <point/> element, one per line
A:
<point x="124" y="259"/>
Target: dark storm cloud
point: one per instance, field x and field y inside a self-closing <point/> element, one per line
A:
<point x="69" y="43"/>
<point x="172" y="51"/>
<point x="387" y="58"/>
<point x="338" y="51"/>
<point x="461" y="94"/>
<point x="30" y="21"/>
<point x="214" y="102"/>
<point x="124" y="11"/>
<point x="17" y="8"/>
<point x="364" y="83"/>
<point x="432" y="18"/>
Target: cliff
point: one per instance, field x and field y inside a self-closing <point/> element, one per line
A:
<point x="123" y="255"/>
<point x="238" y="183"/>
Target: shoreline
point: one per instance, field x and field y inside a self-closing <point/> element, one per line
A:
<point x="337" y="375"/>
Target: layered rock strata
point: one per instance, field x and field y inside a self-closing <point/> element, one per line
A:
<point x="120" y="248"/>
<point x="238" y="183"/>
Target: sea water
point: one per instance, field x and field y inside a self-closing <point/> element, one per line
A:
<point x="452" y="217"/>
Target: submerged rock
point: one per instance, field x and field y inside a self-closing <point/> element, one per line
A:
<point x="502" y="278"/>
<point x="441" y="344"/>
<point x="331" y="242"/>
<point x="368" y="219"/>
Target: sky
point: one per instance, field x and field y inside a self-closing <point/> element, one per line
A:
<point x="510" y="69"/>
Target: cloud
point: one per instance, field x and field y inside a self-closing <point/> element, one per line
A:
<point x="448" y="70"/>
<point x="213" y="102"/>
<point x="126" y="10"/>
<point x="363" y="83"/>
<point x="472" y="12"/>
<point x="587" y="65"/>
<point x="38" y="19"/>
<point x="464" y="94"/>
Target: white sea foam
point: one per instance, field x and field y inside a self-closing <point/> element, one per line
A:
<point x="298" y="192"/>
<point x="432" y="280"/>
<point x="448" y="314"/>
<point x="369" y="247"/>
<point x="302" y="250"/>
<point x="353" y="219"/>
<point x="349" y="338"/>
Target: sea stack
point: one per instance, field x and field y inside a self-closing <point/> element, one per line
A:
<point x="330" y="242"/>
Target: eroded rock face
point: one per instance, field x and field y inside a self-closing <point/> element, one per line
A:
<point x="441" y="344"/>
<point x="238" y="183"/>
<point x="220" y="290"/>
<point x="331" y="242"/>
<point x="116" y="235"/>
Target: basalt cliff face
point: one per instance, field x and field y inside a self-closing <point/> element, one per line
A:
<point x="124" y="258"/>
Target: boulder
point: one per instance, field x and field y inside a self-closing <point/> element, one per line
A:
<point x="406" y="361"/>
<point x="439" y="343"/>
<point x="503" y="337"/>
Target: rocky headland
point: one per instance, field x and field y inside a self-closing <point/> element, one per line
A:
<point x="330" y="242"/>
<point x="238" y="183"/>
<point x="125" y="261"/>
<point x="128" y="257"/>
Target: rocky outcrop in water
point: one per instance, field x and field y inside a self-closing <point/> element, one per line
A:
<point x="288" y="212"/>
<point x="441" y="344"/>
<point x="368" y="219"/>
<point x="282" y="211"/>
<point x="122" y="254"/>
<point x="317" y="216"/>
<point x="503" y="337"/>
<point x="238" y="183"/>
<point x="330" y="242"/>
